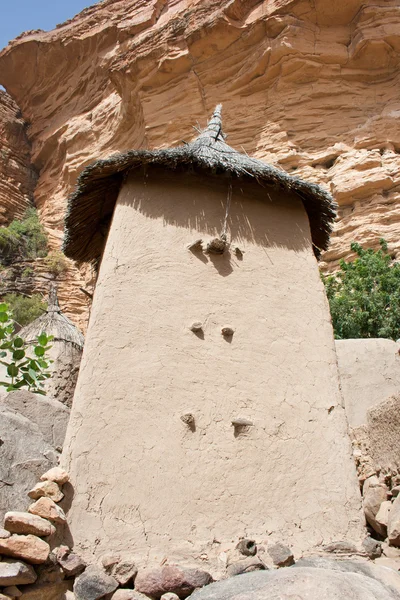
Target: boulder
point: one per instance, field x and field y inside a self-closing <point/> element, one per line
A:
<point x="57" y="475"/>
<point x="302" y="583"/>
<point x="24" y="456"/>
<point x="72" y="564"/>
<point x="23" y="522"/>
<point x="394" y="523"/>
<point x="121" y="567"/>
<point x="281" y="555"/>
<point x="48" y="509"/>
<point x="383" y="575"/>
<point x="374" y="493"/>
<point x="94" y="584"/>
<point x="50" y="416"/>
<point x="181" y="581"/>
<point x="28" y="547"/>
<point x="382" y="516"/>
<point x="47" y="489"/>
<point x="16" y="572"/>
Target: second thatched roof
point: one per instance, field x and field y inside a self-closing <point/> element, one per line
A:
<point x="53" y="322"/>
<point x="91" y="205"/>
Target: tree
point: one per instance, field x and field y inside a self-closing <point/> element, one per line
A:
<point x="24" y="368"/>
<point x="364" y="295"/>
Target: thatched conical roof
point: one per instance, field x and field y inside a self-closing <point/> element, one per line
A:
<point x="53" y="322"/>
<point x="91" y="205"/>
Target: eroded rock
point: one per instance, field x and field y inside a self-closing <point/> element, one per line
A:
<point x="25" y="523"/>
<point x="281" y="555"/>
<point x="57" y="475"/>
<point x="178" y="580"/>
<point x="121" y="567"/>
<point x="48" y="509"/>
<point x="16" y="572"/>
<point x="94" y="584"/>
<point x="48" y="489"/>
<point x="28" y="547"/>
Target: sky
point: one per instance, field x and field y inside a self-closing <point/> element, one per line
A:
<point x="17" y="16"/>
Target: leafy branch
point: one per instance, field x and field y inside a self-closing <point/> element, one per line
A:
<point x="25" y="368"/>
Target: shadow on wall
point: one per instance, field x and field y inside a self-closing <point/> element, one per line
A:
<point x="201" y="204"/>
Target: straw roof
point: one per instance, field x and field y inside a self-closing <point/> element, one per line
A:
<point x="53" y="322"/>
<point x="91" y="205"/>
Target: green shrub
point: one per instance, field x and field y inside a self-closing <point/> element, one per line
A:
<point x="27" y="367"/>
<point x="25" y="309"/>
<point x="23" y="239"/>
<point x="56" y="263"/>
<point x="364" y="295"/>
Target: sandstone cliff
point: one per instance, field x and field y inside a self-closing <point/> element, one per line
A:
<point x="17" y="175"/>
<point x="309" y="86"/>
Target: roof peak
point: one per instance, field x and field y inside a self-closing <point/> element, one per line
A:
<point x="53" y="305"/>
<point x="214" y="125"/>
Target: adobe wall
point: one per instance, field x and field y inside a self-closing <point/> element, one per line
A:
<point x="144" y="480"/>
<point x="369" y="372"/>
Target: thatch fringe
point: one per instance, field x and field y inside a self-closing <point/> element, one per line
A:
<point x="91" y="205"/>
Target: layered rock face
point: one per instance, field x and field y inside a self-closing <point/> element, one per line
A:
<point x="17" y="175"/>
<point x="310" y="87"/>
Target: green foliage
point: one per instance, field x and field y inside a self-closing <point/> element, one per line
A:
<point x="25" y="369"/>
<point x="364" y="296"/>
<point x="25" y="239"/>
<point x="56" y="263"/>
<point x="25" y="309"/>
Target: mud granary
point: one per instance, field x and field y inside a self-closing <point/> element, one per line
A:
<point x="208" y="405"/>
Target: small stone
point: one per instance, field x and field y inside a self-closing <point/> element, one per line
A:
<point x="247" y="547"/>
<point x="47" y="509"/>
<point x="57" y="475"/>
<point x="15" y="572"/>
<point x="196" y="327"/>
<point x="4" y="534"/>
<point x="4" y="597"/>
<point x="246" y="565"/>
<point x="372" y="547"/>
<point x="94" y="584"/>
<point x="169" y="596"/>
<point x="281" y="555"/>
<point x="48" y="489"/>
<point x="227" y="331"/>
<point x="179" y="580"/>
<point x="122" y="568"/>
<point x="28" y="547"/>
<point x="23" y="522"/>
<point x="12" y="591"/>
<point x="188" y="419"/>
<point x="393" y="528"/>
<point x="72" y="564"/>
